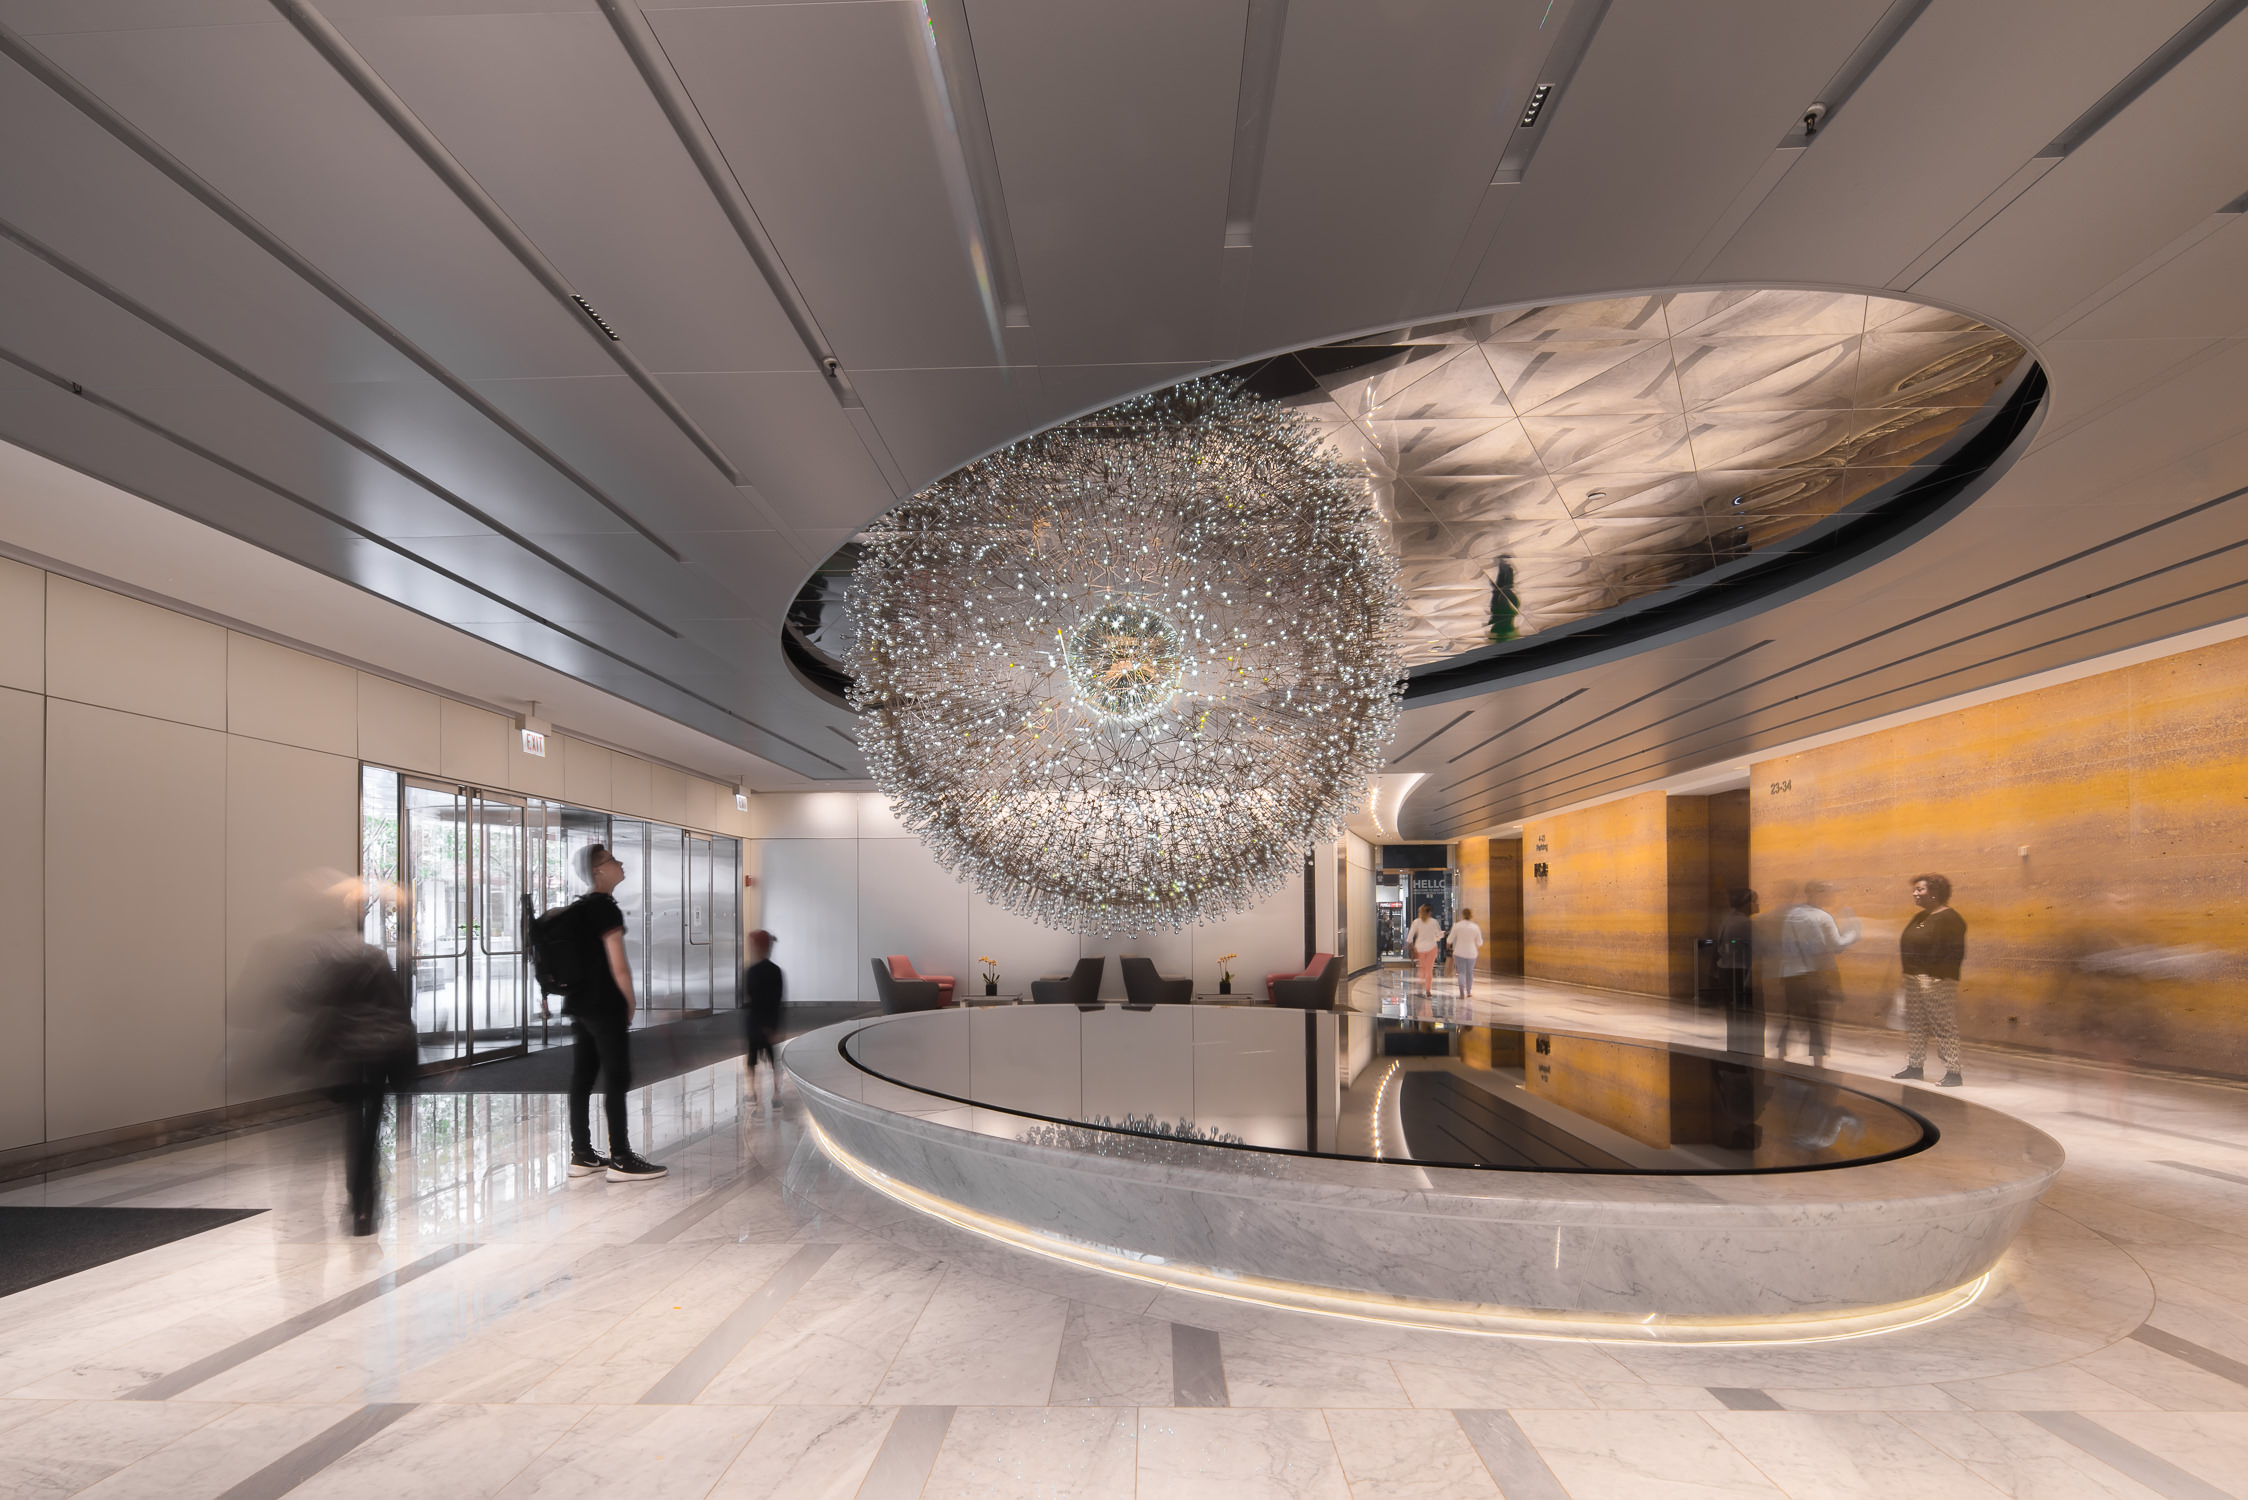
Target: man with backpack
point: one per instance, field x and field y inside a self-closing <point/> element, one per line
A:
<point x="580" y="951"/>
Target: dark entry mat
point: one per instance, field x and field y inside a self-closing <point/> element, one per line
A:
<point x="43" y="1244"/>
<point x="658" y="1052"/>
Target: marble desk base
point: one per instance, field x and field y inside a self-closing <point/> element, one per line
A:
<point x="1784" y="1257"/>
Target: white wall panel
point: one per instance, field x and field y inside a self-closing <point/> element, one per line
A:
<point x="809" y="892"/>
<point x="631" y="788"/>
<point x="585" y="775"/>
<point x="290" y="697"/>
<point x="805" y="815"/>
<point x="473" y="744"/>
<point x="398" y="725"/>
<point x="667" y="800"/>
<point x="292" y="829"/>
<point x="1269" y="937"/>
<point x="23" y="626"/>
<point x="908" y="904"/>
<point x="23" y="1093"/>
<point x="135" y="919"/>
<point x="106" y="649"/>
<point x="877" y="820"/>
<point x="1025" y="950"/>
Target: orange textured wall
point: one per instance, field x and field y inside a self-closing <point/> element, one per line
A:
<point x="1601" y="915"/>
<point x="2096" y="834"/>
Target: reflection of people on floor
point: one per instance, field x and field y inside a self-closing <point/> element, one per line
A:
<point x="1467" y="940"/>
<point x="1810" y="937"/>
<point x="1736" y="972"/>
<point x="762" y="988"/>
<point x="1930" y="951"/>
<point x="1425" y="939"/>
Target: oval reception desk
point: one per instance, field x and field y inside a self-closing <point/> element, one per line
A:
<point x="1477" y="1177"/>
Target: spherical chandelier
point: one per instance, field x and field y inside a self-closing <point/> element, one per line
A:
<point x="1119" y="674"/>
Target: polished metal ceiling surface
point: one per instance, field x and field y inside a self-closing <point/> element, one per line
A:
<point x="591" y="327"/>
<point x="1608" y="449"/>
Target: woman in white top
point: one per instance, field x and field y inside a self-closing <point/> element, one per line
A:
<point x="1422" y="939"/>
<point x="1467" y="940"/>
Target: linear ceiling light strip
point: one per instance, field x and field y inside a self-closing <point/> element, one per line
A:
<point x="2182" y="44"/>
<point x="1393" y="759"/>
<point x="1252" y="117"/>
<point x="1517" y="724"/>
<point x="2186" y="514"/>
<point x="332" y="45"/>
<point x="971" y="133"/>
<point x="1570" y="44"/>
<point x="153" y="319"/>
<point x="141" y="144"/>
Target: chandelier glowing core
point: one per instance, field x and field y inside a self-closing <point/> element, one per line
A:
<point x="1119" y="674"/>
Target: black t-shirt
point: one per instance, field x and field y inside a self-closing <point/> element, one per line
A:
<point x="598" y="916"/>
<point x="1933" y="943"/>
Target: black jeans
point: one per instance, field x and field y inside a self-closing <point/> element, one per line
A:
<point x="601" y="1044"/>
<point x="364" y="1092"/>
<point x="1809" y="998"/>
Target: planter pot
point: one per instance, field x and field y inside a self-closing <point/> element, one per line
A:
<point x="1225" y="986"/>
<point x="991" y="986"/>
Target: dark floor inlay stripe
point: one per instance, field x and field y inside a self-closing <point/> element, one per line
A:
<point x="685" y="1380"/>
<point x="2187" y="1166"/>
<point x="2126" y="1457"/>
<point x="2192" y="1353"/>
<point x="309" y="1458"/>
<point x="1197" y="1368"/>
<point x="901" y="1465"/>
<point x="1744" y="1398"/>
<point x="669" y="1229"/>
<point x="164" y="1387"/>
<point x="1506" y="1450"/>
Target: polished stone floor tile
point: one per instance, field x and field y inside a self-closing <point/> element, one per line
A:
<point x="1419" y="1455"/>
<point x="2018" y="1458"/>
<point x="1449" y="1387"/>
<point x="64" y="1450"/>
<point x="663" y="1452"/>
<point x="1642" y="1455"/>
<point x="1218" y="1453"/>
<point x="1266" y="1372"/>
<point x="981" y="1340"/>
<point x="1814" y="1455"/>
<point x="1111" y="1358"/>
<point x="833" y="1342"/>
<point x="1037" y="1453"/>
<point x="807" y="1453"/>
<point x="463" y="1452"/>
<point x="220" y="1454"/>
<point x="2211" y="1446"/>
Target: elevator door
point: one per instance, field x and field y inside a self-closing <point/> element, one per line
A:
<point x="464" y="871"/>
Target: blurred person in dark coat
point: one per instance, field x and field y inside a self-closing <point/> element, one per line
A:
<point x="763" y="986"/>
<point x="359" y="1038"/>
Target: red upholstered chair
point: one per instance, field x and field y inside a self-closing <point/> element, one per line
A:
<point x="901" y="967"/>
<point x="1314" y="970"/>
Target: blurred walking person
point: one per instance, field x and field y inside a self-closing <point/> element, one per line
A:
<point x="1930" y="951"/>
<point x="1810" y="937"/>
<point x="360" y="1037"/>
<point x="1736" y="973"/>
<point x="1467" y="940"/>
<point x="1423" y="940"/>
<point x="763" y="986"/>
<point x="599" y="1004"/>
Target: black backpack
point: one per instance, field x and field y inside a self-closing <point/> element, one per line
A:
<point x="551" y="939"/>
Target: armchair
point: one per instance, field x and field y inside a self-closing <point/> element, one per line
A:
<point x="1143" y="986"/>
<point x="1312" y="989"/>
<point x="1081" y="985"/>
<point x="902" y="994"/>
<point x="901" y="967"/>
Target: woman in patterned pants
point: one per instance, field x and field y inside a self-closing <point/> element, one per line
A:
<point x="1931" y="949"/>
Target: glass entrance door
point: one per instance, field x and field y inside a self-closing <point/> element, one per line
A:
<point x="701" y="972"/>
<point x="464" y="874"/>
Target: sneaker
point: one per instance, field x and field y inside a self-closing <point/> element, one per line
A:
<point x="1909" y="1073"/>
<point x="1951" y="1081"/>
<point x="625" y="1167"/>
<point x="586" y="1163"/>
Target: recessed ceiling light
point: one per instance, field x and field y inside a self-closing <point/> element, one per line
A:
<point x="1538" y="98"/>
<point x="1597" y="495"/>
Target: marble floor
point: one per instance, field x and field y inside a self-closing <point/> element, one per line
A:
<point x="757" y="1325"/>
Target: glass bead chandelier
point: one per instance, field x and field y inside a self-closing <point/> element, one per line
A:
<point x="1119" y="674"/>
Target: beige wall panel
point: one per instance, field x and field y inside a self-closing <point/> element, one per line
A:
<point x="23" y="626"/>
<point x="398" y="725"/>
<point x="292" y="820"/>
<point x="909" y="905"/>
<point x="702" y="804"/>
<point x="115" y="652"/>
<point x="473" y="744"/>
<point x="585" y="775"/>
<point x="808" y="892"/>
<point x="631" y="787"/>
<point x="877" y="819"/>
<point x="1269" y="937"/>
<point x="274" y="693"/>
<point x="539" y="775"/>
<point x="23" y="1095"/>
<point x="804" y="815"/>
<point x="135" y="919"/>
<point x="667" y="795"/>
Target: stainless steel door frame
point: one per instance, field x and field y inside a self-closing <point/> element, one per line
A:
<point x="460" y="919"/>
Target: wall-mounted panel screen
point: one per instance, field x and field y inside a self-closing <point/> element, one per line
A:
<point x="1416" y="856"/>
